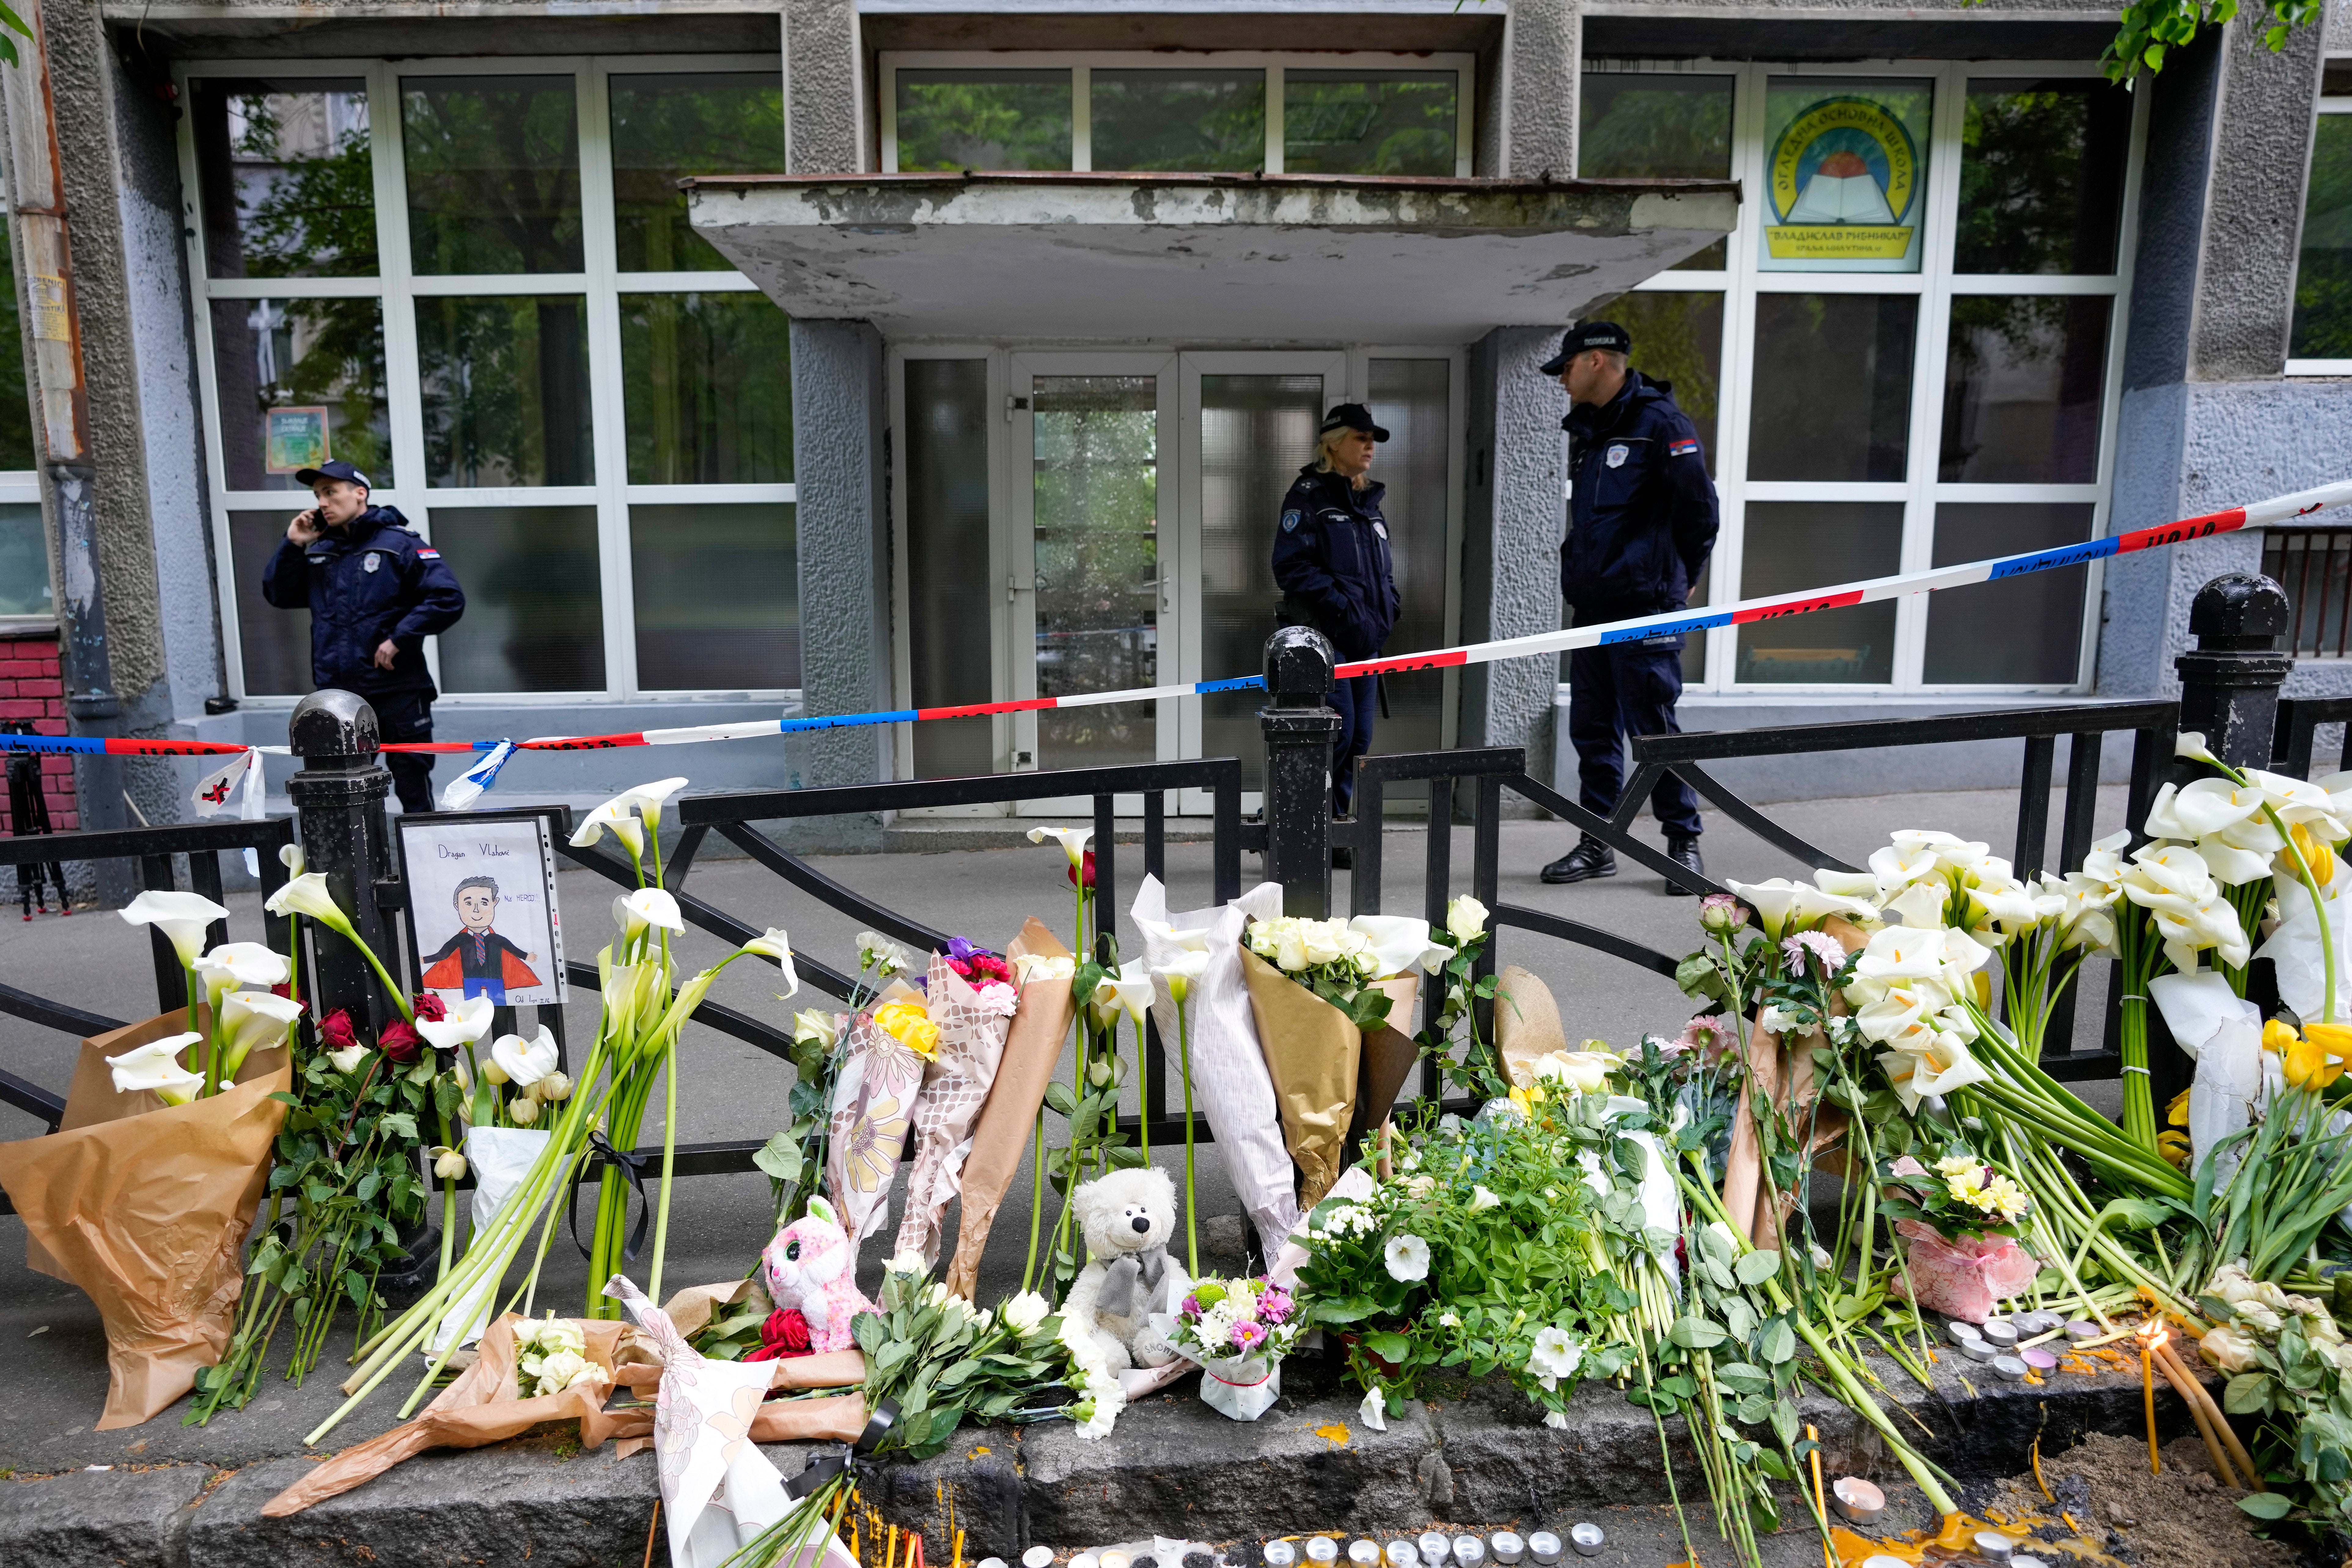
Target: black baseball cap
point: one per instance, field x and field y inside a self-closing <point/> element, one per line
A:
<point x="1588" y="335"/>
<point x="1353" y="417"/>
<point x="336" y="468"/>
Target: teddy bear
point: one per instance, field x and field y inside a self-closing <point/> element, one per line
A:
<point x="808" y="1267"/>
<point x="1127" y="1217"/>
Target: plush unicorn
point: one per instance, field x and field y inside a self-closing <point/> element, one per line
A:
<point x="810" y="1268"/>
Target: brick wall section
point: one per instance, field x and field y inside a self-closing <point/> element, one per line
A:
<point x="30" y="688"/>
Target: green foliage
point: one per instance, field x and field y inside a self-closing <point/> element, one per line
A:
<point x="2149" y="29"/>
<point x="1465" y="1059"/>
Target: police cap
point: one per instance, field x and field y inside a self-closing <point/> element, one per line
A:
<point x="1353" y="417"/>
<point x="1588" y="335"/>
<point x="335" y="468"/>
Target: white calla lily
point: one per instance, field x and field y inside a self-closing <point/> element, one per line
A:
<point x="240" y="965"/>
<point x="251" y="1021"/>
<point x="1073" y="841"/>
<point x="2203" y="806"/>
<point x="156" y="1069"/>
<point x="180" y="917"/>
<point x="525" y="1062"/>
<point x="466" y="1021"/>
<point x="1929" y="1063"/>
<point x="1847" y="884"/>
<point x="1400" y="943"/>
<point x="774" y="943"/>
<point x="655" y="906"/>
<point x="1179" y="970"/>
<point x="307" y="895"/>
<point x="1128" y="988"/>
<point x="614" y="816"/>
<point x="2191" y="743"/>
<point x="649" y="799"/>
<point x="290" y="857"/>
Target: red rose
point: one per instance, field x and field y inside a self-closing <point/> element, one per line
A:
<point x="785" y="1334"/>
<point x="335" y="1031"/>
<point x="1073" y="872"/>
<point x="283" y="988"/>
<point x="430" y="1008"/>
<point x="401" y="1042"/>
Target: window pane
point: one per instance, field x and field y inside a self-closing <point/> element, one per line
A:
<point x="2020" y="631"/>
<point x="534" y="615"/>
<point x="1411" y="400"/>
<point x="300" y="380"/>
<point x="1641" y="127"/>
<point x="1845" y="175"/>
<point x="1678" y="340"/>
<point x="1368" y="122"/>
<point x="2323" y="276"/>
<point x="493" y="173"/>
<point x="505" y="380"/>
<point x="1832" y="386"/>
<point x="1179" y="119"/>
<point x="18" y="448"/>
<point x="1096" y="467"/>
<point x="274" y="644"/>
<point x="1256" y="432"/>
<point x="288" y="177"/>
<point x="718" y="596"/>
<point x="666" y="127"/>
<point x="2041" y="175"/>
<point x="2022" y="379"/>
<point x="24" y="562"/>
<point x="983" y="120"/>
<point x="946" y="538"/>
<point x="710" y="389"/>
<point x="1788" y="546"/>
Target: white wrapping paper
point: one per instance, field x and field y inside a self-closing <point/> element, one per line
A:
<point x="500" y="1157"/>
<point x="2294" y="948"/>
<point x="1241" y="1387"/>
<point x="2224" y="1032"/>
<point x="1230" y="1083"/>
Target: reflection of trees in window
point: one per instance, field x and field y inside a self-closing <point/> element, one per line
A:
<point x="1654" y="128"/>
<point x="300" y="353"/>
<point x="2323" y="275"/>
<point x="493" y="175"/>
<point x="1677" y="339"/>
<point x="1096" y="478"/>
<point x="983" y="120"/>
<point x="16" y="446"/>
<point x="1179" y="119"/>
<point x="2042" y="177"/>
<point x="1355" y="122"/>
<point x="667" y="127"/>
<point x="505" y="383"/>
<point x="287" y="178"/>
<point x="709" y="384"/>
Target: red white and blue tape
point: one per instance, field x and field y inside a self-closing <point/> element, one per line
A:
<point x="2255" y="514"/>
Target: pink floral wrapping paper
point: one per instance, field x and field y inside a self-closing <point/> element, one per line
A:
<point x="1964" y="1279"/>
<point x="873" y="1113"/>
<point x="972" y="1030"/>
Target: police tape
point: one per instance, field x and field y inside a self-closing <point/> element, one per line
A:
<point x="2254" y="514"/>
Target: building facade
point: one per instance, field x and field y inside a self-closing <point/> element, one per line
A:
<point x="973" y="362"/>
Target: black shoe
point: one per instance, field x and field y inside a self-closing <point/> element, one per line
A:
<point x="1684" y="852"/>
<point x="1590" y="858"/>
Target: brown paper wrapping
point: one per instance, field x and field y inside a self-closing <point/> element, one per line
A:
<point x="1031" y="1049"/>
<point x="145" y="1207"/>
<point x="1387" y="1061"/>
<point x="1783" y="1072"/>
<point x="1527" y="1021"/>
<point x="1312" y="1052"/>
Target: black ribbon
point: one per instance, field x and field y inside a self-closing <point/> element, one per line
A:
<point x="821" y="1472"/>
<point x="600" y="1152"/>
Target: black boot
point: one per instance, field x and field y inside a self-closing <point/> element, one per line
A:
<point x="1590" y="858"/>
<point x="1684" y="852"/>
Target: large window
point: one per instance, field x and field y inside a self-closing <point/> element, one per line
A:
<point x="24" y="596"/>
<point x="1213" y="113"/>
<point x="1905" y="356"/>
<point x="2320" y="341"/>
<point x="476" y="281"/>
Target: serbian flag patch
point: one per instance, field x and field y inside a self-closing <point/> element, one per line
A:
<point x="1681" y="449"/>
<point x="427" y="552"/>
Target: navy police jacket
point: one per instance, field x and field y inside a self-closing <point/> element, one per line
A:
<point x="362" y="583"/>
<point x="1332" y="562"/>
<point x="1641" y="512"/>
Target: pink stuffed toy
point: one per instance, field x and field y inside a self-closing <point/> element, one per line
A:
<point x="810" y="1267"/>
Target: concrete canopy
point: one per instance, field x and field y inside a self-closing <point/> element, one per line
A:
<point x="1201" y="258"/>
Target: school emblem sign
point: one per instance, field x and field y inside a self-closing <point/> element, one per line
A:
<point x="1845" y="179"/>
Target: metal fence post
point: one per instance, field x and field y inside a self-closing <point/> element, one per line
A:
<point x="338" y="799"/>
<point x="1300" y="728"/>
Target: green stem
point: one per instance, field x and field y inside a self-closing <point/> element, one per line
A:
<point x="1184" y="1055"/>
<point x="1036" y="1198"/>
<point x="669" y="1160"/>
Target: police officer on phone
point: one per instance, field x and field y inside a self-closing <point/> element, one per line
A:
<point x="1641" y="520"/>
<point x="375" y="592"/>
<point x="1331" y="560"/>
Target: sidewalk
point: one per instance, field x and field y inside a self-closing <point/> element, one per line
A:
<point x="728" y="1089"/>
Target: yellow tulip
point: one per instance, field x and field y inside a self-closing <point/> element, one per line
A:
<point x="2309" y="1062"/>
<point x="2174" y="1147"/>
<point x="2176" y="1113"/>
<point x="2315" y="854"/>
<point x="2277" y="1037"/>
<point x="2335" y="1041"/>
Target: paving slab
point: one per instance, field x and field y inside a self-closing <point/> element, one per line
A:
<point x="101" y="1518"/>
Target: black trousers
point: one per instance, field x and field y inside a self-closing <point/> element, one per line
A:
<point x="407" y="716"/>
<point x="1619" y="690"/>
<point x="1356" y="701"/>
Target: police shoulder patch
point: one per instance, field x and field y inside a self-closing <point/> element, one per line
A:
<point x="1684" y="449"/>
<point x="1290" y="520"/>
<point x="427" y="552"/>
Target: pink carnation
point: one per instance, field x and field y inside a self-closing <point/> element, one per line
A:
<point x="1191" y="1309"/>
<point x="1710" y="1033"/>
<point x="1820" y="945"/>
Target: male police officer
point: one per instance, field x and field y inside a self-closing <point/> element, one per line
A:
<point x="1642" y="522"/>
<point x="375" y="592"/>
<point x="1331" y="560"/>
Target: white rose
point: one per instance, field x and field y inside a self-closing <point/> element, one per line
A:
<point x="1465" y="919"/>
<point x="1025" y="1311"/>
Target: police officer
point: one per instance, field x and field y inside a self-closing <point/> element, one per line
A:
<point x="1642" y="522"/>
<point x="1332" y="562"/>
<point x="375" y="592"/>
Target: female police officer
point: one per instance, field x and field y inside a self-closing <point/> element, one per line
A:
<point x="1331" y="560"/>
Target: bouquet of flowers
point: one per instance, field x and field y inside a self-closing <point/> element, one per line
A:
<point x="1238" y="1330"/>
<point x="552" y="1356"/>
<point x="1961" y="1217"/>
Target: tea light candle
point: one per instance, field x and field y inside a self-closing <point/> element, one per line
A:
<point x="1880" y="1559"/>
<point x="1992" y="1546"/>
<point x="1364" y="1553"/>
<point x="1038" y="1557"/>
<point x="1436" y="1548"/>
<point x="1403" y="1554"/>
<point x="1960" y="1331"/>
<point x="1544" y="1547"/>
<point x="2011" y="1367"/>
<point x="2000" y="1331"/>
<point x="1322" y="1549"/>
<point x="2039" y="1358"/>
<point x="1278" y="1555"/>
<point x="1507" y="1546"/>
<point x="2023" y="1560"/>
<point x="1469" y="1551"/>
<point x="1587" y="1539"/>
<point x="1116" y="1560"/>
<point x="2031" y="1323"/>
<point x="2081" y="1329"/>
<point x="1979" y="1350"/>
<point x="991" y="1562"/>
<point x="1085" y="1560"/>
<point x="1860" y="1501"/>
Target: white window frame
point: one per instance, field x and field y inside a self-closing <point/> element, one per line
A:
<point x="1081" y="63"/>
<point x="23" y="486"/>
<point x="1936" y="283"/>
<point x="2316" y="366"/>
<point x="397" y="287"/>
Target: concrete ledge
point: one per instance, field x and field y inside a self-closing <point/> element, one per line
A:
<point x="137" y="1519"/>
